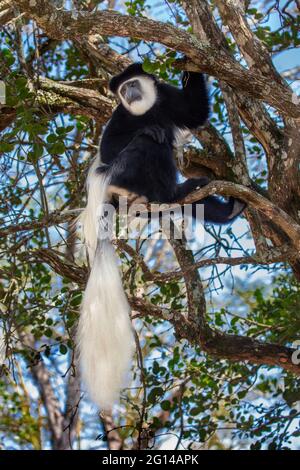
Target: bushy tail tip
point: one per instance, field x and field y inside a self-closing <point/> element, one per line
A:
<point x="104" y="336"/>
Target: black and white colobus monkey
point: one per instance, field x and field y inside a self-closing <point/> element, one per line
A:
<point x="136" y="152"/>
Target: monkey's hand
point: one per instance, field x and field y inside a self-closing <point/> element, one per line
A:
<point x="156" y="133"/>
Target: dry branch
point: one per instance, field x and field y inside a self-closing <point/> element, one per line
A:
<point x="62" y="24"/>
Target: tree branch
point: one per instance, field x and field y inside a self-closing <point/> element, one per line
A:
<point x="255" y="53"/>
<point x="232" y="347"/>
<point x="224" y="188"/>
<point x="203" y="56"/>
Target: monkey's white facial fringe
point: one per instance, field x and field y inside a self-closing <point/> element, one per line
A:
<point x="149" y="95"/>
<point x="104" y="337"/>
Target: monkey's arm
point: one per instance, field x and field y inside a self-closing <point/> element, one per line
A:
<point x="189" y="106"/>
<point x="116" y="136"/>
<point x="145" y="167"/>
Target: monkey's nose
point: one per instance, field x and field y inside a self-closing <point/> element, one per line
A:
<point x="132" y="94"/>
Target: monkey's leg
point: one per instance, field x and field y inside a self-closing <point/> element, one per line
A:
<point x="115" y="192"/>
<point x="215" y="209"/>
<point x="190" y="185"/>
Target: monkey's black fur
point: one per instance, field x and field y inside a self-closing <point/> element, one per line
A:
<point x="138" y="150"/>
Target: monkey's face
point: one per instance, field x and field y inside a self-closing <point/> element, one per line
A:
<point x="131" y="91"/>
<point x="138" y="94"/>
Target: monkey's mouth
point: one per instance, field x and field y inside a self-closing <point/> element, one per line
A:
<point x="131" y="92"/>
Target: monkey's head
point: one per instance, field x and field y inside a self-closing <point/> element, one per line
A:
<point x="136" y="89"/>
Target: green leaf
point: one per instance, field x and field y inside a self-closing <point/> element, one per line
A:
<point x="166" y="405"/>
<point x="57" y="149"/>
<point x="63" y="349"/>
<point x="154" y="394"/>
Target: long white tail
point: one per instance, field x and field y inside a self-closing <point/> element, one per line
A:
<point x="105" y="337"/>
